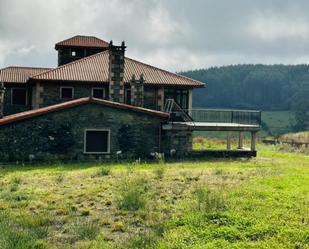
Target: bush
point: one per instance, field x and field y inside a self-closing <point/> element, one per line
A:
<point x="132" y="195"/>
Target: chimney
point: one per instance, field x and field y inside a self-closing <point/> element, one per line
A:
<point x="137" y="91"/>
<point x="2" y="91"/>
<point x="116" y="71"/>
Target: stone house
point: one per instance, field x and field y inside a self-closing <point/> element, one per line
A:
<point x="96" y="103"/>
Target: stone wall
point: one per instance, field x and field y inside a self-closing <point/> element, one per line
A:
<point x="60" y="134"/>
<point x="8" y="107"/>
<point x="150" y="98"/>
<point x="176" y="143"/>
<point x="51" y="91"/>
<point x="65" y="54"/>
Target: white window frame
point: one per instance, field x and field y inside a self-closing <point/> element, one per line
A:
<point x="71" y="87"/>
<point x="98" y="88"/>
<point x="108" y="141"/>
<point x="13" y="88"/>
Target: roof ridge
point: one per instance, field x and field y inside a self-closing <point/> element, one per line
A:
<point x="26" y="67"/>
<point x="70" y="63"/>
<point x="80" y="36"/>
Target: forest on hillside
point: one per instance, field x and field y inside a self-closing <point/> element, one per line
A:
<point x="262" y="87"/>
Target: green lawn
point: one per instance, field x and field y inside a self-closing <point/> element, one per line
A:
<point x="241" y="203"/>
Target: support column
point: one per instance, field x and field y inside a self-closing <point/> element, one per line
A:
<point x="228" y="140"/>
<point x="241" y="140"/>
<point x="253" y="140"/>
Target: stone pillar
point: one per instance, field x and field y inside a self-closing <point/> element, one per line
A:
<point x="253" y="140"/>
<point x="2" y="92"/>
<point x="116" y="71"/>
<point x="160" y="99"/>
<point x="137" y="91"/>
<point x="228" y="140"/>
<point x="190" y="102"/>
<point x="241" y="140"/>
<point x="37" y="96"/>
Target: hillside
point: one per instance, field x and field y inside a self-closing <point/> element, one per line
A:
<point x="268" y="88"/>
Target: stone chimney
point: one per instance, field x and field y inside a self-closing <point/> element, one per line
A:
<point x="137" y="91"/>
<point x="2" y="91"/>
<point x="116" y="71"/>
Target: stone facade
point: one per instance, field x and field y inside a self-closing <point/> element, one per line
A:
<point x="60" y="134"/>
<point x="65" y="54"/>
<point x="116" y="72"/>
<point x="49" y="92"/>
<point x="10" y="108"/>
<point x="137" y="91"/>
<point x="177" y="143"/>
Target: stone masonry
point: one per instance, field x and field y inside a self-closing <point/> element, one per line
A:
<point x="116" y="72"/>
<point x="137" y="91"/>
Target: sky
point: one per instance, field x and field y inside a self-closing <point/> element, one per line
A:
<point x="175" y="35"/>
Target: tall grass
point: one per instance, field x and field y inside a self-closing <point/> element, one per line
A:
<point x="85" y="229"/>
<point x="132" y="195"/>
<point x="23" y="231"/>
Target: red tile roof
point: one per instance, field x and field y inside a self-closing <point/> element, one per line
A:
<point x="19" y="74"/>
<point x="83" y="41"/>
<point x="95" y="69"/>
<point x="77" y="102"/>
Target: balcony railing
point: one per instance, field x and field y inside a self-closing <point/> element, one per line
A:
<point x="245" y="117"/>
<point x="220" y="116"/>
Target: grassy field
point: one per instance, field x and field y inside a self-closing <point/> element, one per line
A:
<point x="241" y="203"/>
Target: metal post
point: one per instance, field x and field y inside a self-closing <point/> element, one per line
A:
<point x="228" y="141"/>
<point x="241" y="140"/>
<point x="253" y="140"/>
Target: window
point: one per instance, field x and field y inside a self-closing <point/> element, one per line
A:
<point x="19" y="96"/>
<point x="179" y="95"/>
<point x="78" y="53"/>
<point x="97" y="141"/>
<point x="98" y="93"/>
<point x="66" y="92"/>
<point x="127" y="96"/>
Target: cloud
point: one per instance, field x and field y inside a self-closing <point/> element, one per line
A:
<point x="172" y="34"/>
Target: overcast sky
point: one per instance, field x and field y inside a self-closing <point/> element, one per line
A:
<point x="171" y="34"/>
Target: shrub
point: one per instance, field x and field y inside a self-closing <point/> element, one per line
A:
<point x="132" y="195"/>
<point x="85" y="229"/>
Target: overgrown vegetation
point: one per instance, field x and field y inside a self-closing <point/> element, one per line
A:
<point x="233" y="203"/>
